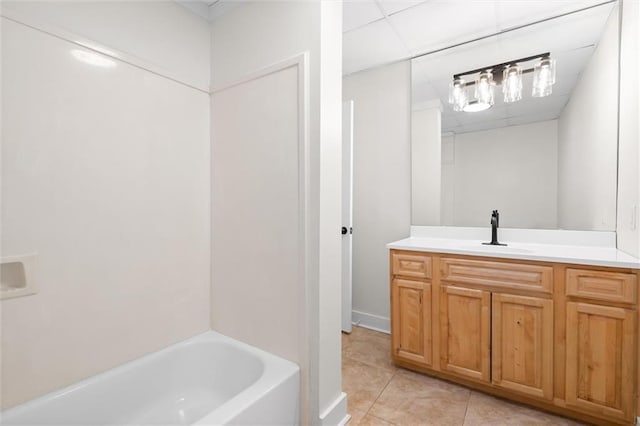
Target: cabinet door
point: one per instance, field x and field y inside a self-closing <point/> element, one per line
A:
<point x="411" y="317"/>
<point x="465" y="320"/>
<point x="522" y="344"/>
<point x="600" y="369"/>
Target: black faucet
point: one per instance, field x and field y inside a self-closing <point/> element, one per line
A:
<point x="495" y="222"/>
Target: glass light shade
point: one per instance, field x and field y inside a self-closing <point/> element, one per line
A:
<point x="484" y="88"/>
<point x="458" y="94"/>
<point x="512" y="83"/>
<point x="475" y="106"/>
<point x="544" y="76"/>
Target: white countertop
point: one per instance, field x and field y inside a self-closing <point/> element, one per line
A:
<point x="582" y="255"/>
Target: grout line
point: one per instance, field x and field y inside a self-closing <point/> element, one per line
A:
<point x="395" y="371"/>
<point x="466" y="408"/>
<point x="393" y="27"/>
<point x="379" y="395"/>
<point x="380" y="418"/>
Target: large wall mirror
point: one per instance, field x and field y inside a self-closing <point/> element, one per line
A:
<point x="545" y="156"/>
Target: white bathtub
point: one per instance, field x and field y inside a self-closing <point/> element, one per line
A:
<point x="209" y="379"/>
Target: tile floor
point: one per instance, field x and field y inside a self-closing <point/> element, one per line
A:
<point x="381" y="394"/>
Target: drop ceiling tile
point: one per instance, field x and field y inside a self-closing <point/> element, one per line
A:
<point x="528" y="119"/>
<point x="448" y="122"/>
<point x="556" y="35"/>
<point x="520" y="12"/>
<point x="494" y="113"/>
<point x="482" y="125"/>
<point x="452" y="130"/>
<point x="573" y="61"/>
<point x="221" y="7"/>
<point x="356" y="13"/>
<point x="371" y="45"/>
<point x="394" y="6"/>
<point x="436" y="24"/>
<point x="549" y="106"/>
<point x="563" y="87"/>
<point x="199" y="8"/>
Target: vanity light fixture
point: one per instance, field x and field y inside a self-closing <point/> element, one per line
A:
<point x="509" y="75"/>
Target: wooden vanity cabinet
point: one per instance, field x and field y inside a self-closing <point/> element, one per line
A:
<point x="560" y="337"/>
<point x="411" y="307"/>
<point x="600" y="359"/>
<point x="601" y="339"/>
<point x="522" y="344"/>
<point x="465" y="330"/>
<point x="412" y="324"/>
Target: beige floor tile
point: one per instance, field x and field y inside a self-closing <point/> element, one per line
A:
<point x="416" y="399"/>
<point x="380" y="394"/>
<point x="356" y="417"/>
<point x="370" y="420"/>
<point x="363" y="383"/>
<point x="572" y="422"/>
<point x="346" y="341"/>
<point x="371" y="349"/>
<point x="361" y="332"/>
<point x="488" y="410"/>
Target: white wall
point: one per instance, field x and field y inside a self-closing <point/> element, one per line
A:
<point x="628" y="226"/>
<point x="330" y="309"/>
<point x="105" y="175"/>
<point x="381" y="180"/>
<point x="426" y="147"/>
<point x="587" y="143"/>
<point x="512" y="169"/>
<point x="276" y="189"/>
<point x="162" y="34"/>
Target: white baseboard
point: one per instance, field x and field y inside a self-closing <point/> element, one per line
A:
<point x="336" y="413"/>
<point x="345" y="420"/>
<point x="373" y="322"/>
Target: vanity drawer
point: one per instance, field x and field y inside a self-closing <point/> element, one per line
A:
<point x="517" y="276"/>
<point x="412" y="265"/>
<point x="601" y="285"/>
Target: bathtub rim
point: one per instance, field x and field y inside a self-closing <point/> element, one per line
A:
<point x="276" y="370"/>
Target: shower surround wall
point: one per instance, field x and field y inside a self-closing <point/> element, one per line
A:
<point x="105" y="174"/>
<point x="276" y="147"/>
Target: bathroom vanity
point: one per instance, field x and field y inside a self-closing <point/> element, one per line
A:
<point x="552" y="326"/>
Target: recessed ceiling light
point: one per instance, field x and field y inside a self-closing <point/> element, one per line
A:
<point x="93" y="58"/>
